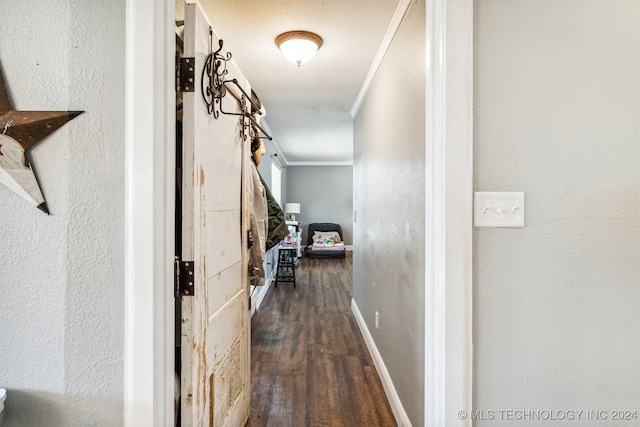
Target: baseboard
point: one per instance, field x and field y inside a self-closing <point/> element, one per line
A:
<point x="394" y="400"/>
<point x="260" y="293"/>
<point x="348" y="248"/>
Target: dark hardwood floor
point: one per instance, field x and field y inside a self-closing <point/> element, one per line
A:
<point x="309" y="363"/>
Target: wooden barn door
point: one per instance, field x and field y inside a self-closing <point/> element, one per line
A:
<point x="215" y="339"/>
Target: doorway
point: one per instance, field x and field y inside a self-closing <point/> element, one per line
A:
<point x="150" y="247"/>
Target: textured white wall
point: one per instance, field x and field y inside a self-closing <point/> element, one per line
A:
<point x="389" y="177"/>
<point x="61" y="276"/>
<point x="557" y="304"/>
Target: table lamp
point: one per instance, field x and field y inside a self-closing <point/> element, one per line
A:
<point x="291" y="209"/>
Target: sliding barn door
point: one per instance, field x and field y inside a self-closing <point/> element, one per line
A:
<point x="215" y="320"/>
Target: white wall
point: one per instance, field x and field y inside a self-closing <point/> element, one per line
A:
<point x="557" y="304"/>
<point x="61" y="276"/>
<point x="389" y="177"/>
<point x="325" y="194"/>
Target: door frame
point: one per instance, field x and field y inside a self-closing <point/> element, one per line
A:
<point x="149" y="213"/>
<point x="149" y="221"/>
<point x="449" y="212"/>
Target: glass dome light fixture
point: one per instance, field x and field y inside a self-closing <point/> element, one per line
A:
<point x="298" y="46"/>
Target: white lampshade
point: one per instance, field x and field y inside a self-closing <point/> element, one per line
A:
<point x="292" y="208"/>
<point x="299" y="46"/>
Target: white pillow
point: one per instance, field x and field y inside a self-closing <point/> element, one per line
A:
<point x="327" y="235"/>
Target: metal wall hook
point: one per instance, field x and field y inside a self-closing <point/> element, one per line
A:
<point x="215" y="89"/>
<point x="215" y="69"/>
<point x="254" y="106"/>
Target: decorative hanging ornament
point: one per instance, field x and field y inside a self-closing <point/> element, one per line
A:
<point x="19" y="131"/>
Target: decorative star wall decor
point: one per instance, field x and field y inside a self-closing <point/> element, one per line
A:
<point x="19" y="131"/>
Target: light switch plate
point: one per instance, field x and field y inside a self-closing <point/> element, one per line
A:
<point x="498" y="209"/>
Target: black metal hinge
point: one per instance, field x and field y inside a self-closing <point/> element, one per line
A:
<point x="184" y="278"/>
<point x="185" y="74"/>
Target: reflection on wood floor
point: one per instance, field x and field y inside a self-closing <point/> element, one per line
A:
<point x="309" y="363"/>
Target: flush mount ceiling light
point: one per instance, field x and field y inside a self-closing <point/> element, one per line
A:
<point x="298" y="46"/>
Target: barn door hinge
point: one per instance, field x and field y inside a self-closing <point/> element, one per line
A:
<point x="184" y="281"/>
<point x="185" y="74"/>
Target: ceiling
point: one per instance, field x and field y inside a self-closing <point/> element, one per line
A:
<point x="308" y="107"/>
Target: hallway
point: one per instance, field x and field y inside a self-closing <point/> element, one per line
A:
<point x="309" y="363"/>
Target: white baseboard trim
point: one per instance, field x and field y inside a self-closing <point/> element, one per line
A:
<point x="394" y="400"/>
<point x="258" y="296"/>
<point x="348" y="248"/>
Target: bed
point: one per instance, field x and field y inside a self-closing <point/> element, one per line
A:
<point x="324" y="240"/>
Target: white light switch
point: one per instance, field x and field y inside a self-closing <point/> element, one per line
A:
<point x="498" y="209"/>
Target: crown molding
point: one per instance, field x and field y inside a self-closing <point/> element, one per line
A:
<point x="281" y="156"/>
<point x="392" y="30"/>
